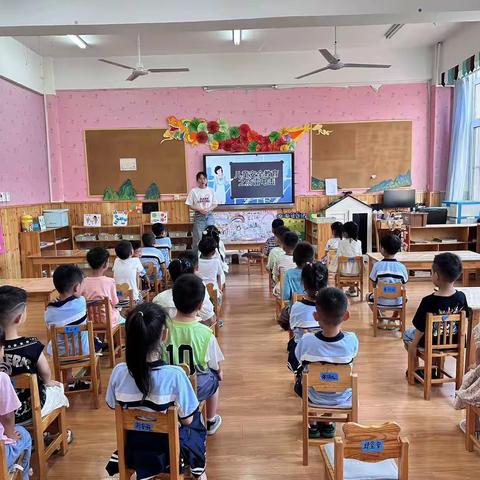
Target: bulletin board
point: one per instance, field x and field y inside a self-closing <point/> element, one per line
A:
<point x="163" y="163"/>
<point x="373" y="155"/>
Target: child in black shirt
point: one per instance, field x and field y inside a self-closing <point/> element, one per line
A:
<point x="446" y="269"/>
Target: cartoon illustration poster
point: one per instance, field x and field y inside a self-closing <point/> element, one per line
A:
<point x="245" y="226"/>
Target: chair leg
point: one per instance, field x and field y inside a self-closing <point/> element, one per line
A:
<point x="95" y="392"/>
<point x="402" y="320"/>
<point x="305" y="437"/>
<point x="427" y="378"/>
<point x="470" y="430"/>
<point x="375" y="320"/>
<point x="111" y="350"/>
<point x="460" y="371"/>
<point x="39" y="459"/>
<point x="62" y="427"/>
<point x="410" y="371"/>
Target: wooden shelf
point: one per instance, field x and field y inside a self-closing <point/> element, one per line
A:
<point x="443" y="237"/>
<point x="318" y="235"/>
<point x="136" y="230"/>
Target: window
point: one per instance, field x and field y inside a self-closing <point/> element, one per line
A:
<point x="474" y="181"/>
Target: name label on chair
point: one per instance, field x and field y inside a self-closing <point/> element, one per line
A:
<point x="143" y="426"/>
<point x="329" y="377"/>
<point x="444" y="318"/>
<point x="389" y="289"/>
<point x="73" y="329"/>
<point x="351" y="259"/>
<point x="372" y="446"/>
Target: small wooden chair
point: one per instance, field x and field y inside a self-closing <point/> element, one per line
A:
<point x="75" y="357"/>
<point x="391" y="291"/>
<point x="443" y="345"/>
<point x="279" y="302"/>
<point x="255" y="258"/>
<point x="193" y="380"/>
<point x="342" y="280"/>
<point x="159" y="422"/>
<point x="327" y="377"/>
<point x="125" y="297"/>
<point x="217" y="305"/>
<point x="472" y="434"/>
<point x="16" y="473"/>
<point x="367" y="452"/>
<point x="39" y="426"/>
<point x="98" y="312"/>
<point x="152" y="272"/>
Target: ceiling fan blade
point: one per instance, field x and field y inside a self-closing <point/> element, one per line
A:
<point x="114" y="63"/>
<point x="133" y="76"/>
<point x="328" y="56"/>
<point x="168" y="70"/>
<point x="312" y="73"/>
<point x="365" y="65"/>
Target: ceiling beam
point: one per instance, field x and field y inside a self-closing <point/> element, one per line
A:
<point x="51" y="17"/>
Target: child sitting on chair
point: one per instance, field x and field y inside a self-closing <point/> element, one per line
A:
<point x="209" y="266"/>
<point x="331" y="345"/>
<point x="388" y="270"/>
<point x="185" y="263"/>
<point x="272" y="242"/>
<point x="137" y="248"/>
<point x="145" y="381"/>
<point x="285" y="261"/>
<point x="350" y="246"/>
<point x="25" y="355"/>
<point x="69" y="310"/>
<point x="98" y="286"/>
<point x="150" y="254"/>
<point x="331" y="248"/>
<point x="293" y="283"/>
<point x="16" y="439"/>
<point x="127" y="268"/>
<point x="446" y="270"/>
<point x="190" y="341"/>
<point x="162" y="242"/>
<point x="213" y="232"/>
<point x="276" y="252"/>
<point x="314" y="278"/>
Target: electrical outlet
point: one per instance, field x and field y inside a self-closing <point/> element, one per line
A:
<point x="7" y="196"/>
<point x="2" y="197"/>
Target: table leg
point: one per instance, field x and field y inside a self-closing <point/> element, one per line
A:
<point x="370" y="268"/>
<point x="466" y="278"/>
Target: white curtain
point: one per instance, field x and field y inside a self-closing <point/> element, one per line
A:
<point x="462" y="140"/>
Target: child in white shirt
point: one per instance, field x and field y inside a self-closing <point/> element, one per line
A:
<point x="350" y="246"/>
<point x="285" y="261"/>
<point x="332" y="246"/>
<point x="126" y="268"/>
<point x="162" y="242"/>
<point x="210" y="267"/>
<point x="276" y="252"/>
<point x="213" y="232"/>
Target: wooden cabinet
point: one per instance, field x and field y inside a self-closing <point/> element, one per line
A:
<point x="180" y="234"/>
<point x="318" y="235"/>
<point x="37" y="243"/>
<point x="441" y="238"/>
<point x="104" y="236"/>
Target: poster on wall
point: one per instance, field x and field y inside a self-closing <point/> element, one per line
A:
<point x="92" y="220"/>
<point x="120" y="218"/>
<point x="252" y="226"/>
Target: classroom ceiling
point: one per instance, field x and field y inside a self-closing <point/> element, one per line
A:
<point x="167" y="42"/>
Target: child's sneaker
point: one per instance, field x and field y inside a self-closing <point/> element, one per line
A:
<point x="327" y="430"/>
<point x="313" y="431"/>
<point x="214" y="425"/>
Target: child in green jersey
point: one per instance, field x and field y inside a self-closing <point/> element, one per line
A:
<point x="193" y="343"/>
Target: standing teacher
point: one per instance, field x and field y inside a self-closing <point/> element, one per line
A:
<point x="202" y="201"/>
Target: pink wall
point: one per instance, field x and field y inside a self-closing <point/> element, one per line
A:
<point x="23" y="145"/>
<point x="264" y="110"/>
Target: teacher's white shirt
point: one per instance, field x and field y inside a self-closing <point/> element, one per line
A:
<point x="203" y="198"/>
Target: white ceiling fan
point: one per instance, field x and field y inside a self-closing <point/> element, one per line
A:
<point x="140" y="70"/>
<point x="334" y="62"/>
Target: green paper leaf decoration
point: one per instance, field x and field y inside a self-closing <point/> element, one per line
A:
<point x="153" y="192"/>
<point x="202" y="127"/>
<point x="274" y="136"/>
<point x="223" y="124"/>
<point x="234" y="132"/>
<point x="252" y="146"/>
<point x="110" y="194"/>
<point x="126" y="191"/>
<point x="194" y="123"/>
<point x="220" y="136"/>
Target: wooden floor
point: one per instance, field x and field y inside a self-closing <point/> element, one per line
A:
<point x="260" y="436"/>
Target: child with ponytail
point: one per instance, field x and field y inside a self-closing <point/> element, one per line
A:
<point x="314" y="278"/>
<point x="145" y="381"/>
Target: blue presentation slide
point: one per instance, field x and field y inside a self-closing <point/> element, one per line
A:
<point x="256" y="179"/>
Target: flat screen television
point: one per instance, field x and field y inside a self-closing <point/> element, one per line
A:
<point x="399" y="198"/>
<point x="246" y="180"/>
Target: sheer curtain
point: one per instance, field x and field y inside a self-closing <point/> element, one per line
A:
<point x="461" y="147"/>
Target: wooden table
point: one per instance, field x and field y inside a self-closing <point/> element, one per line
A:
<point x="473" y="300"/>
<point x="61" y="257"/>
<point x="253" y="246"/>
<point x="423" y="261"/>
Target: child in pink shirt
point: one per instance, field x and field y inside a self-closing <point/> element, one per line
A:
<point x="98" y="286"/>
<point x="16" y="439"/>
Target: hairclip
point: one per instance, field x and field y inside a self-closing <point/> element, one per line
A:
<point x="140" y="313"/>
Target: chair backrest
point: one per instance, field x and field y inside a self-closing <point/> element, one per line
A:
<point x="124" y="293"/>
<point x="328" y="377"/>
<point x="72" y="343"/>
<point x="389" y="290"/>
<point x="98" y="311"/>
<point x="3" y="462"/>
<point x="212" y="293"/>
<point x="191" y="376"/>
<point x="29" y="381"/>
<point x="150" y="269"/>
<point x="296" y="297"/>
<point x="143" y="421"/>
<point x="445" y="331"/>
<point x="344" y="261"/>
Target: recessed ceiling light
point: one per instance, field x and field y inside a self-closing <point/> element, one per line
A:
<point x="236" y="37"/>
<point x="78" y="41"/>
